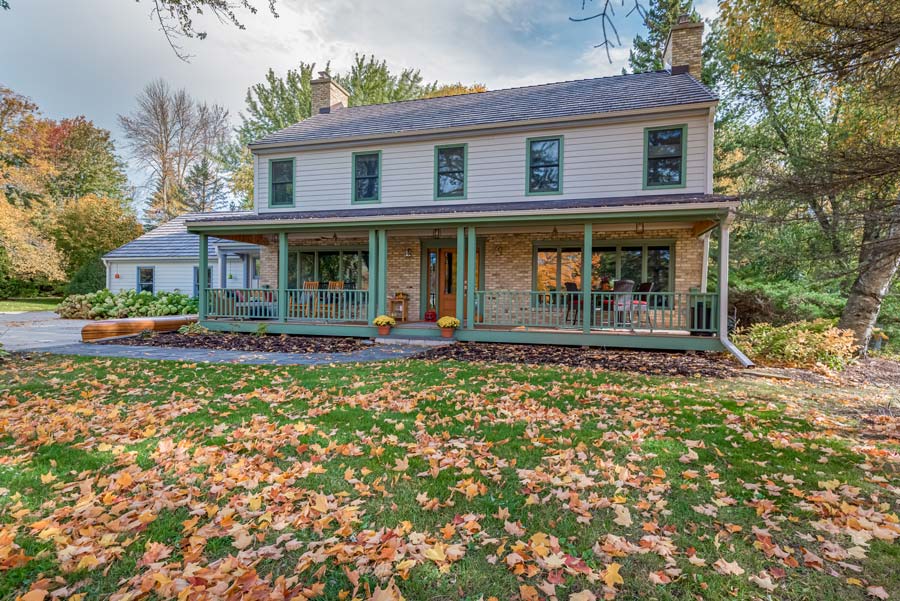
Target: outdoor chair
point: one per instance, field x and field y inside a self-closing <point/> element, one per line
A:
<point x="309" y="299"/>
<point x="641" y="304"/>
<point x="618" y="305"/>
<point x="332" y="299"/>
<point x="573" y="301"/>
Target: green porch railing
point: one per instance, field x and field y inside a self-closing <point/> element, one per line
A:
<point x="679" y="311"/>
<point x="303" y="305"/>
<point x="328" y="305"/>
<point x="242" y="303"/>
<point x="528" y="308"/>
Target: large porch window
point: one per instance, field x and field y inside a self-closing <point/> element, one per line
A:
<point x="559" y="267"/>
<point x="350" y="266"/>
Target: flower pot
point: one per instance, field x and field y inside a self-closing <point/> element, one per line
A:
<point x="447" y="332"/>
<point x="384" y="330"/>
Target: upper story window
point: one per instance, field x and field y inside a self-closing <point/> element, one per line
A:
<point x="450" y="171"/>
<point x="664" y="149"/>
<point x="545" y="159"/>
<point x="281" y="183"/>
<point x="367" y="176"/>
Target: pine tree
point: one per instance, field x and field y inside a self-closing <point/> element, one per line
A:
<point x="647" y="53"/>
<point x="204" y="188"/>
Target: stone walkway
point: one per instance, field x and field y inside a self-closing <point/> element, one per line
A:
<point x="376" y="353"/>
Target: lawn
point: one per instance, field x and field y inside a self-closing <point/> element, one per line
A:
<point x="22" y="305"/>
<point x="139" y="479"/>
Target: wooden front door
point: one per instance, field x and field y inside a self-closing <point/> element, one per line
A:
<point x="440" y="281"/>
<point x="447" y="282"/>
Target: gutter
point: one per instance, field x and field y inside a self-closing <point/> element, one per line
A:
<point x="417" y="218"/>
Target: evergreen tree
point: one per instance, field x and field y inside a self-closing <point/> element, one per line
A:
<point x="204" y="188"/>
<point x="647" y="53"/>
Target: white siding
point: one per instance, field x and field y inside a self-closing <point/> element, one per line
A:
<point x="169" y="276"/>
<point x="598" y="161"/>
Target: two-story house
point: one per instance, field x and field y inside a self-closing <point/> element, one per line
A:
<point x="577" y="212"/>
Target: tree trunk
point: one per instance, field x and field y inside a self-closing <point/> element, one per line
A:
<point x="879" y="258"/>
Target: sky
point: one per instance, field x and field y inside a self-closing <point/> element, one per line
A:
<point x="93" y="57"/>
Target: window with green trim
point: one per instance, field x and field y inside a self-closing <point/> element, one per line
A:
<point x="367" y="177"/>
<point x="450" y="171"/>
<point x="665" y="157"/>
<point x="281" y="188"/>
<point x="556" y="265"/>
<point x="545" y="165"/>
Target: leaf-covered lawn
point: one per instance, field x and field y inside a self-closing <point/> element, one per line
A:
<point x="153" y="480"/>
<point x="28" y="304"/>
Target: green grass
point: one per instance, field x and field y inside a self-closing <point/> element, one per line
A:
<point x="219" y="465"/>
<point x="21" y="305"/>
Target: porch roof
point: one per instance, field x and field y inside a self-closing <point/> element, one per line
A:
<point x="568" y="207"/>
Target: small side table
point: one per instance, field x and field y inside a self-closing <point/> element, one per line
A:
<point x="398" y="308"/>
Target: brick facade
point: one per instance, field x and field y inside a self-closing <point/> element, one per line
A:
<point x="508" y="261"/>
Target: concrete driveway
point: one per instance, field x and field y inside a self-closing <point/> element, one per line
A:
<point x="38" y="330"/>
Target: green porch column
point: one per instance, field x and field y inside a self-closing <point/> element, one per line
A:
<point x="586" y="310"/>
<point x="282" y="275"/>
<point x="203" y="282"/>
<point x="471" y="280"/>
<point x="373" y="269"/>
<point x="722" y="317"/>
<point x="382" y="272"/>
<point x="460" y="270"/>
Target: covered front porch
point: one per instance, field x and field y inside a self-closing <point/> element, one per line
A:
<point x="511" y="281"/>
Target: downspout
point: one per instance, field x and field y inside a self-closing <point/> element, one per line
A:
<point x="724" y="231"/>
<point x="106" y="268"/>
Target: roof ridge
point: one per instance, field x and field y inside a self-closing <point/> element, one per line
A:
<point x="507" y="89"/>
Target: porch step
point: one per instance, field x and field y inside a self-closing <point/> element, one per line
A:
<point x="415" y="341"/>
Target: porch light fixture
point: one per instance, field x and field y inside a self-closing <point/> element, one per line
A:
<point x="555" y="231"/>
<point x="639" y="228"/>
<point x="435" y="233"/>
<point x="408" y="253"/>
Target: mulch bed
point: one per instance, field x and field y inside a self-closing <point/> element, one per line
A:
<point x="246" y="342"/>
<point x="645" y="362"/>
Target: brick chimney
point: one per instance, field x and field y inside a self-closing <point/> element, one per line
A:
<point x="327" y="94"/>
<point x="684" y="48"/>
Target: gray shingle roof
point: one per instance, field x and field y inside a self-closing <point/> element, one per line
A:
<point x="170" y="240"/>
<point x="548" y="101"/>
<point x="660" y="200"/>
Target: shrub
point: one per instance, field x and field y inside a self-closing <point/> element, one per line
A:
<point x="127" y="303"/>
<point x="809" y="344"/>
<point x="782" y="302"/>
<point x="193" y="329"/>
<point x="90" y="277"/>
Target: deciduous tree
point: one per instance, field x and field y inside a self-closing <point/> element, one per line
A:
<point x="849" y="53"/>
<point x="168" y="133"/>
<point x="90" y="226"/>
